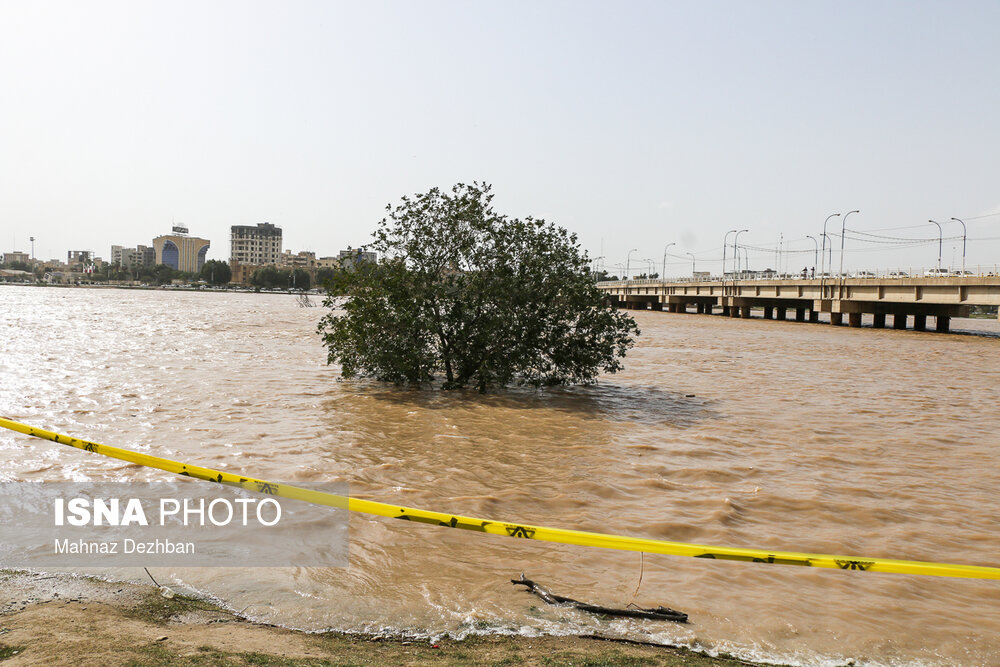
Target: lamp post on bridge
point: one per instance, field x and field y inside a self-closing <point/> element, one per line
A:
<point x="663" y="275"/>
<point x="594" y="265"/>
<point x="736" y="246"/>
<point x="651" y="265"/>
<point x="964" y="234"/>
<point x="823" y="257"/>
<point x="940" y="240"/>
<point x="725" y="244"/>
<point x="692" y="264"/>
<point x="628" y="262"/>
<point x="843" y="230"/>
<point x="815" y="254"/>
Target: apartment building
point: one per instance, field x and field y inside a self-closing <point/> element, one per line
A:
<point x="258" y="245"/>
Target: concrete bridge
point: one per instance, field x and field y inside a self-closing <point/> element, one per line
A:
<point x="902" y="299"/>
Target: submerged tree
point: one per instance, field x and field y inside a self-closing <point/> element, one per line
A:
<point x="481" y="298"/>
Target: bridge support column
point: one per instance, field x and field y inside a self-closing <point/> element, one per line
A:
<point x="878" y="320"/>
<point x="725" y="311"/>
<point x="813" y="315"/>
<point x="745" y="312"/>
<point x="768" y="312"/>
<point x="782" y="313"/>
<point x="898" y="321"/>
<point x="734" y="311"/>
<point x="700" y="309"/>
<point x="800" y="314"/>
<point x="836" y="319"/>
<point x="942" y="324"/>
<point x="657" y="305"/>
<point x="920" y="323"/>
<point x="854" y="319"/>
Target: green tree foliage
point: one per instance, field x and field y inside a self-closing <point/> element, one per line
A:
<point x="271" y="277"/>
<point x="301" y="280"/>
<point x="216" y="272"/>
<point x="481" y="298"/>
<point x="325" y="276"/>
<point x="162" y="274"/>
<point x="17" y="266"/>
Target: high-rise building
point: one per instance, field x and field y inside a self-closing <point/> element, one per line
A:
<point x="180" y="251"/>
<point x="258" y="245"/>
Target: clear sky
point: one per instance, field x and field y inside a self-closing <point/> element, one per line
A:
<point x="633" y="124"/>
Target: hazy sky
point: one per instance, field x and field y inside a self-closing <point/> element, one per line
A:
<point x="633" y="124"/>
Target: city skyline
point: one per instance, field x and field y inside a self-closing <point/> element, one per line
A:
<point x="634" y="127"/>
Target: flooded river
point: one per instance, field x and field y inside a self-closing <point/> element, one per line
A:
<point x="776" y="435"/>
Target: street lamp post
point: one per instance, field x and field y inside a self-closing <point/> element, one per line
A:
<point x="736" y="241"/>
<point x="725" y="244"/>
<point x="651" y="265"/>
<point x="964" y="234"/>
<point x="816" y="253"/>
<point x="663" y="275"/>
<point x="843" y="230"/>
<point x="593" y="270"/>
<point x="628" y="262"/>
<point x="746" y="257"/>
<point x="823" y="266"/>
<point x="692" y="264"/>
<point x="940" y="240"/>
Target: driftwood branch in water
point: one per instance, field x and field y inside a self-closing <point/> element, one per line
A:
<point x="656" y="613"/>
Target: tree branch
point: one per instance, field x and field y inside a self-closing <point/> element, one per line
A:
<point x="656" y="613"/>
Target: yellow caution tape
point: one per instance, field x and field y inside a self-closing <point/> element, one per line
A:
<point x="559" y="535"/>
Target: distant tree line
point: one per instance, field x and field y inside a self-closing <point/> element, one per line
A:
<point x="16" y="266"/>
<point x="271" y="277"/>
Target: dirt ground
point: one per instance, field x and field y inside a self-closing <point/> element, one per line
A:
<point x="63" y="620"/>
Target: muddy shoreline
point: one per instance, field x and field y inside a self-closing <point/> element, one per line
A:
<point x="48" y="619"/>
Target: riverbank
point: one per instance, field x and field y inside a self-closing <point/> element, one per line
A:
<point x="48" y="619"/>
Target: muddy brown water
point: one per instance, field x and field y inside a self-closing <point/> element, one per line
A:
<point x="776" y="435"/>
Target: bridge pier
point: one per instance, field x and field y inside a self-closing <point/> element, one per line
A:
<point x="942" y="325"/>
<point x="854" y="319"/>
<point x="813" y="315"/>
<point x="899" y="321"/>
<point x="782" y="313"/>
<point x="725" y="311"/>
<point x="800" y="314"/>
<point x="836" y="319"/>
<point x="878" y="320"/>
<point x="734" y="311"/>
<point x="745" y="312"/>
<point x="658" y="305"/>
<point x="920" y="323"/>
<point x="768" y="312"/>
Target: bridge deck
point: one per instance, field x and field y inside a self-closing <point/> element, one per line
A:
<point x="942" y="298"/>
